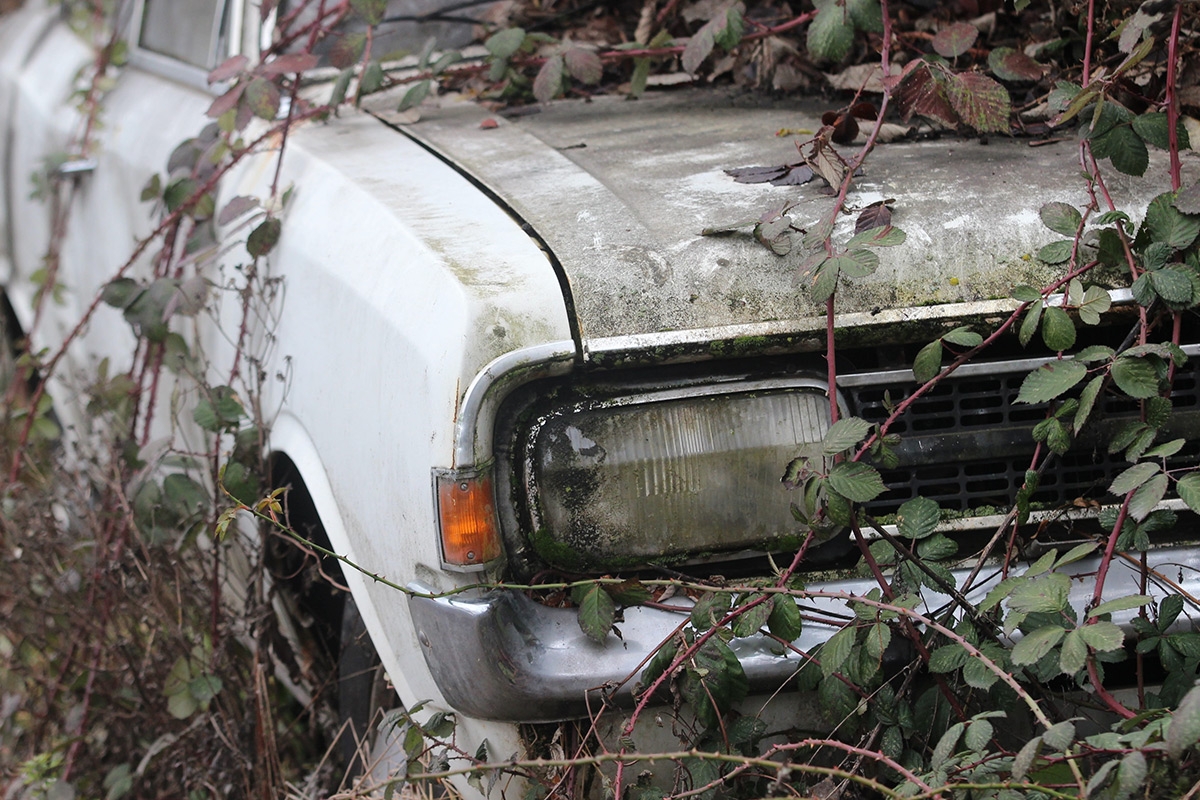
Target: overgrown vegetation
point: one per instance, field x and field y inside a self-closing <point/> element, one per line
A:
<point x="165" y="688"/>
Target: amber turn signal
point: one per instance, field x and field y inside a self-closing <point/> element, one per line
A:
<point x="467" y="518"/>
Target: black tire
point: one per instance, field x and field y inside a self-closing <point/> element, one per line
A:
<point x="363" y="693"/>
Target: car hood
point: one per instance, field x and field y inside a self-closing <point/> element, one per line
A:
<point x="620" y="190"/>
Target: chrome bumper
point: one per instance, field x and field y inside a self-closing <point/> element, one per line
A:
<point x="496" y="654"/>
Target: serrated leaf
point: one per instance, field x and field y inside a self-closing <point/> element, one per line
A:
<point x="837" y="649"/>
<point x="1096" y="302"/>
<point x="120" y="292"/>
<point x="858" y="263"/>
<point x="263" y="98"/>
<point x="955" y="39"/>
<point x="978" y="675"/>
<point x="372" y="78"/>
<point x="963" y="337"/>
<point x="1013" y="65"/>
<point x="885" y="236"/>
<point x="1166" y="449"/>
<point x="844" y="434"/>
<point x="1165" y="223"/>
<point x="715" y="683"/>
<point x="918" y="518"/>
<point x="1044" y="594"/>
<point x="979" y="735"/>
<point x="597" y="611"/>
<point x="1061" y="218"/>
<point x="785" y="621"/>
<point x="264" y="237"/>
<point x="709" y="610"/>
<point x="876" y="640"/>
<point x="549" y="80"/>
<point x="750" y="621"/>
<point x="504" y="44"/>
<point x="1076" y="553"/>
<point x="857" y="482"/>
<point x="1184" y="729"/>
<point x="1154" y="128"/>
<point x="948" y="658"/>
<point x="830" y="34"/>
<point x="1033" y="647"/>
<point x="980" y="101"/>
<point x="1057" y="252"/>
<point x="1188" y="489"/>
<point x="1147" y="496"/>
<point x="584" y="65"/>
<point x="1025" y="757"/>
<point x="698" y="48"/>
<point x="415" y="95"/>
<point x="1050" y="381"/>
<point x="928" y="362"/>
<point x="1059" y="736"/>
<point x="1126" y="150"/>
<point x="1026" y="294"/>
<point x="1173" y="285"/>
<point x="1103" y="636"/>
<point x="936" y="548"/>
<point x="946" y="744"/>
<point x="1058" y="330"/>
<point x="1133" y="477"/>
<point x="1073" y="655"/>
<point x="1137" y="377"/>
<point x="1029" y="325"/>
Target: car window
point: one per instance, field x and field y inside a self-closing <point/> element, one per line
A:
<point x="187" y="30"/>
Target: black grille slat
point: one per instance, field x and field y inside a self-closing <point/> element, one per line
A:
<point x="967" y="443"/>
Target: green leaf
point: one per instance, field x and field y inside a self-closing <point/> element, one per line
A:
<point x="1096" y="301"/>
<point x="584" y="65"/>
<point x="1076" y="553"/>
<point x="885" y="236"/>
<point x="263" y="98"/>
<point x="978" y="675"/>
<point x="504" y="44"/>
<point x="1154" y="128"/>
<point x="549" y="80"/>
<point x="1057" y="252"/>
<point x="936" y="548"/>
<point x="597" y="611"/>
<point x="1165" y="223"/>
<point x="371" y="11"/>
<point x="415" y="95"/>
<point x="1062" y="218"/>
<point x="1126" y="150"/>
<point x="981" y="102"/>
<point x="955" y="39"/>
<point x="876" y="640"/>
<point x="844" y="434"/>
<point x="709" y="610"/>
<point x="1137" y="377"/>
<point x="1058" y="331"/>
<point x="837" y="649"/>
<point x="1188" y="489"/>
<point x="1050" y="380"/>
<point x="1026" y="294"/>
<point x="750" y="621"/>
<point x="785" y="621"/>
<point x="1133" y="477"/>
<point x="121" y="292"/>
<point x="1025" y="757"/>
<point x="1073" y="655"/>
<point x="858" y="263"/>
<point x="1184" y="729"/>
<point x="1173" y="284"/>
<point x="1033" y="647"/>
<point x="1060" y="736"/>
<point x="963" y="337"/>
<point x="372" y="78"/>
<point x="945" y="746"/>
<point x="857" y="482"/>
<point x="948" y="658"/>
<point x="264" y="237"/>
<point x="152" y="189"/>
<point x="1103" y="636"/>
<point x="918" y="518"/>
<point x="1147" y="496"/>
<point x="1029" y="325"/>
<point x="715" y="683"/>
<point x="1046" y="594"/>
<point x="928" y="362"/>
<point x="830" y="37"/>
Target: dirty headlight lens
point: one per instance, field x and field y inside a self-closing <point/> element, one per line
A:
<point x="670" y="475"/>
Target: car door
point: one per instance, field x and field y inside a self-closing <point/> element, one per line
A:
<point x="156" y="102"/>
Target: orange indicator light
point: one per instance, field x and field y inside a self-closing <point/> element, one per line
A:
<point x="467" y="514"/>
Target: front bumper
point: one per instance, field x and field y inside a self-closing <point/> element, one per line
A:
<point x="496" y="654"/>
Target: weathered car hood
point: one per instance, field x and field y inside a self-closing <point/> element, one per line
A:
<point x="620" y="190"/>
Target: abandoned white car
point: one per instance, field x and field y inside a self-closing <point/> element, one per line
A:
<point x="499" y="350"/>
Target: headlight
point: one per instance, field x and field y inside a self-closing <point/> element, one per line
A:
<point x="667" y="475"/>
